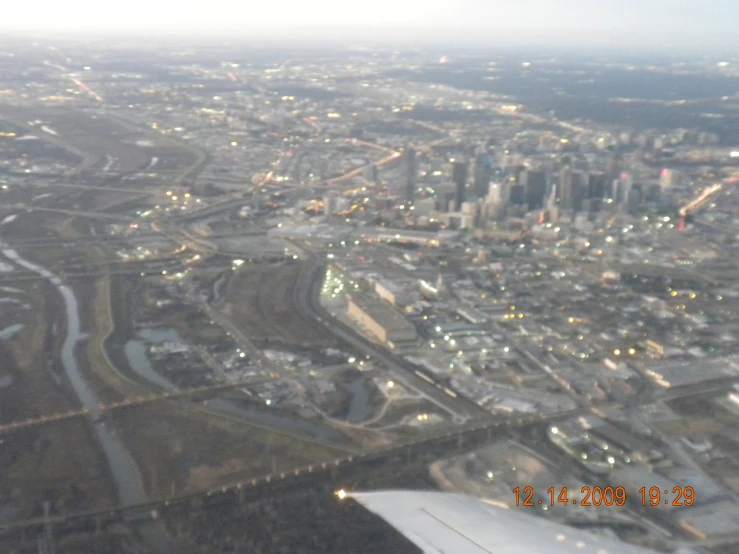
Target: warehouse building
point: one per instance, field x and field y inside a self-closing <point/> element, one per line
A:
<point x="382" y="320"/>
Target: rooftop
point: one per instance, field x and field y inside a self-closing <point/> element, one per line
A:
<point x="382" y="313"/>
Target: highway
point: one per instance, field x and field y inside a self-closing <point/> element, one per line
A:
<point x="700" y="200"/>
<point x="75" y="271"/>
<point x="137" y="192"/>
<point x="78" y="213"/>
<point x="11" y="278"/>
<point x="138" y="238"/>
<point x="390" y="158"/>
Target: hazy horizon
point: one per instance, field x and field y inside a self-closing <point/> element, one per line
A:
<point x="663" y="25"/>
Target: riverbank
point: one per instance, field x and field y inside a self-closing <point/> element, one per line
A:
<point x="59" y="463"/>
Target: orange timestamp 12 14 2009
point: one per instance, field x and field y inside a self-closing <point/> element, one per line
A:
<point x="604" y="496"/>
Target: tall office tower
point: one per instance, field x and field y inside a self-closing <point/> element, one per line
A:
<point x="635" y="198"/>
<point x="410" y="173"/>
<point x="505" y="189"/>
<point x="517" y="195"/>
<point x="459" y="177"/>
<point x="375" y="174"/>
<point x="613" y="190"/>
<point x="666" y="179"/>
<point x="448" y="203"/>
<point x="521" y="175"/>
<point x="494" y="205"/>
<point x="495" y="192"/>
<point x="613" y="166"/>
<point x="625" y="183"/>
<point x="536" y="189"/>
<point x="580" y="181"/>
<point x="597" y="185"/>
<point x="482" y="174"/>
<point x="566" y="184"/>
<point x="653" y="194"/>
<point x="551" y="205"/>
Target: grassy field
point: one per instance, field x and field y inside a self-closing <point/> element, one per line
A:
<point x="181" y="449"/>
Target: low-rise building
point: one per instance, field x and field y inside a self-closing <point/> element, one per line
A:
<point x="382" y="320"/>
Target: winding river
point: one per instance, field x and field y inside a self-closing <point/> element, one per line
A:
<point x="123" y="469"/>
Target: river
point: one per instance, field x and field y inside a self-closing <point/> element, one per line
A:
<point x="122" y="467"/>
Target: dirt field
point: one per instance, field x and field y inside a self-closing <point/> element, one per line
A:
<point x="260" y="299"/>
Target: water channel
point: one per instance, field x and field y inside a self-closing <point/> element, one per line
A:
<point x="122" y="467"/>
<point x="137" y="359"/>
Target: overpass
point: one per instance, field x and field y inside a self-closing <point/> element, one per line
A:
<point x="150" y="266"/>
<point x="99" y="188"/>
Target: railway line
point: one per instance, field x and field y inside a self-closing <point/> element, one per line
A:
<point x="187" y="394"/>
<point x="337" y="473"/>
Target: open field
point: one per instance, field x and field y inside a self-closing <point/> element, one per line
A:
<point x="181" y="449"/>
<point x="260" y="300"/>
<point x="91" y="136"/>
<point x="103" y="141"/>
<point x="94" y="135"/>
<point x="33" y="225"/>
<point x="34" y="149"/>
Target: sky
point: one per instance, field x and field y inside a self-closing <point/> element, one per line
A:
<point x="662" y="24"/>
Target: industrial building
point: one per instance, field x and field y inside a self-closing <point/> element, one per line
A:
<point x="670" y="374"/>
<point x="395" y="293"/>
<point x="382" y="320"/>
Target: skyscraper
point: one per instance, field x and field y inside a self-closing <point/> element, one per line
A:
<point x="517" y="195"/>
<point x="495" y="192"/>
<point x="635" y="198"/>
<point x="625" y="183"/>
<point x="536" y="189"/>
<point x="565" y="188"/>
<point x="666" y="179"/>
<point x="580" y="181"/>
<point x="482" y="174"/>
<point x="551" y="205"/>
<point x="613" y="166"/>
<point x="410" y="172"/>
<point x="459" y="177"/>
<point x="597" y="185"/>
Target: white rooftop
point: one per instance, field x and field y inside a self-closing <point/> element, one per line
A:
<point x="443" y="523"/>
